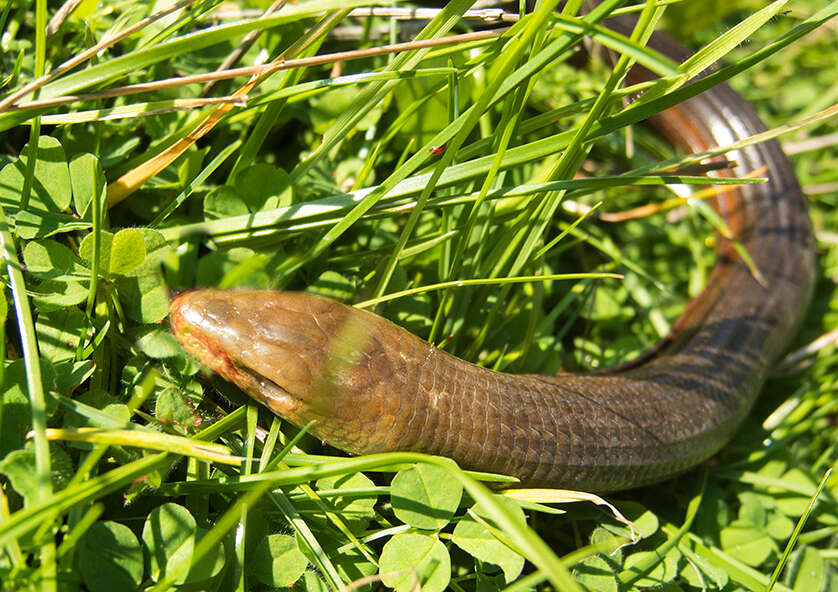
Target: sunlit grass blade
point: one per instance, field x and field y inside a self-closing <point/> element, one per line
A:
<point x="148" y="440"/>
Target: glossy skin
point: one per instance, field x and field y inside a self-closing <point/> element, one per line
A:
<point x="373" y="387"/>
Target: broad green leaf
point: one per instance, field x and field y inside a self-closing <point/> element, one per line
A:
<point x="646" y="522"/>
<point x="477" y="540"/>
<point x="277" y="561"/>
<point x="109" y="558"/>
<point x="425" y="496"/>
<point x="334" y="285"/>
<point x="351" y="564"/>
<point x="48" y="259"/>
<point x="597" y="573"/>
<point x="88" y="182"/>
<point x="794" y="504"/>
<point x="16" y="418"/>
<point x="665" y="568"/>
<point x="772" y="468"/>
<point x="190" y="163"/>
<point x="86" y="250"/>
<point x="51" y="190"/>
<point x="51" y="295"/>
<point x="158" y="343"/>
<point x="143" y="291"/>
<point x="209" y="566"/>
<point x="40" y="224"/>
<point x="213" y="267"/>
<point x="808" y="570"/>
<point x="356" y="512"/>
<point x="779" y="527"/>
<point x="747" y="543"/>
<point x="753" y="508"/>
<point x="411" y="561"/>
<point x="127" y="251"/>
<point x="19" y="469"/>
<point x="62" y="467"/>
<point x="312" y="582"/>
<point x="60" y="332"/>
<point x="95" y="409"/>
<point x="703" y="574"/>
<point x="713" y="513"/>
<point x="264" y="187"/>
<point x="122" y="253"/>
<point x="27" y="520"/>
<point x="169" y="539"/>
<point x="249" y="272"/>
<point x="223" y="202"/>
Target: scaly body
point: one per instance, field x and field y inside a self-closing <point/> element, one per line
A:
<point x="373" y="387"/>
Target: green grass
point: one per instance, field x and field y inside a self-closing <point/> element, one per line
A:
<point x="123" y="467"/>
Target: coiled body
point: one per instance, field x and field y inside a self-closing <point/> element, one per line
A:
<point x="373" y="387"/>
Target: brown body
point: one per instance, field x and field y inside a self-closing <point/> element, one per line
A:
<point x="373" y="387"/>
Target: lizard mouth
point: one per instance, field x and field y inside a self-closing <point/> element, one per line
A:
<point x="269" y="393"/>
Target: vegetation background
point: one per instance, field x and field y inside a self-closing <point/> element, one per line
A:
<point x="122" y="467"/>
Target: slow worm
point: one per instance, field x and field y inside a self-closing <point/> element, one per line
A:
<point x="372" y="387"/>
